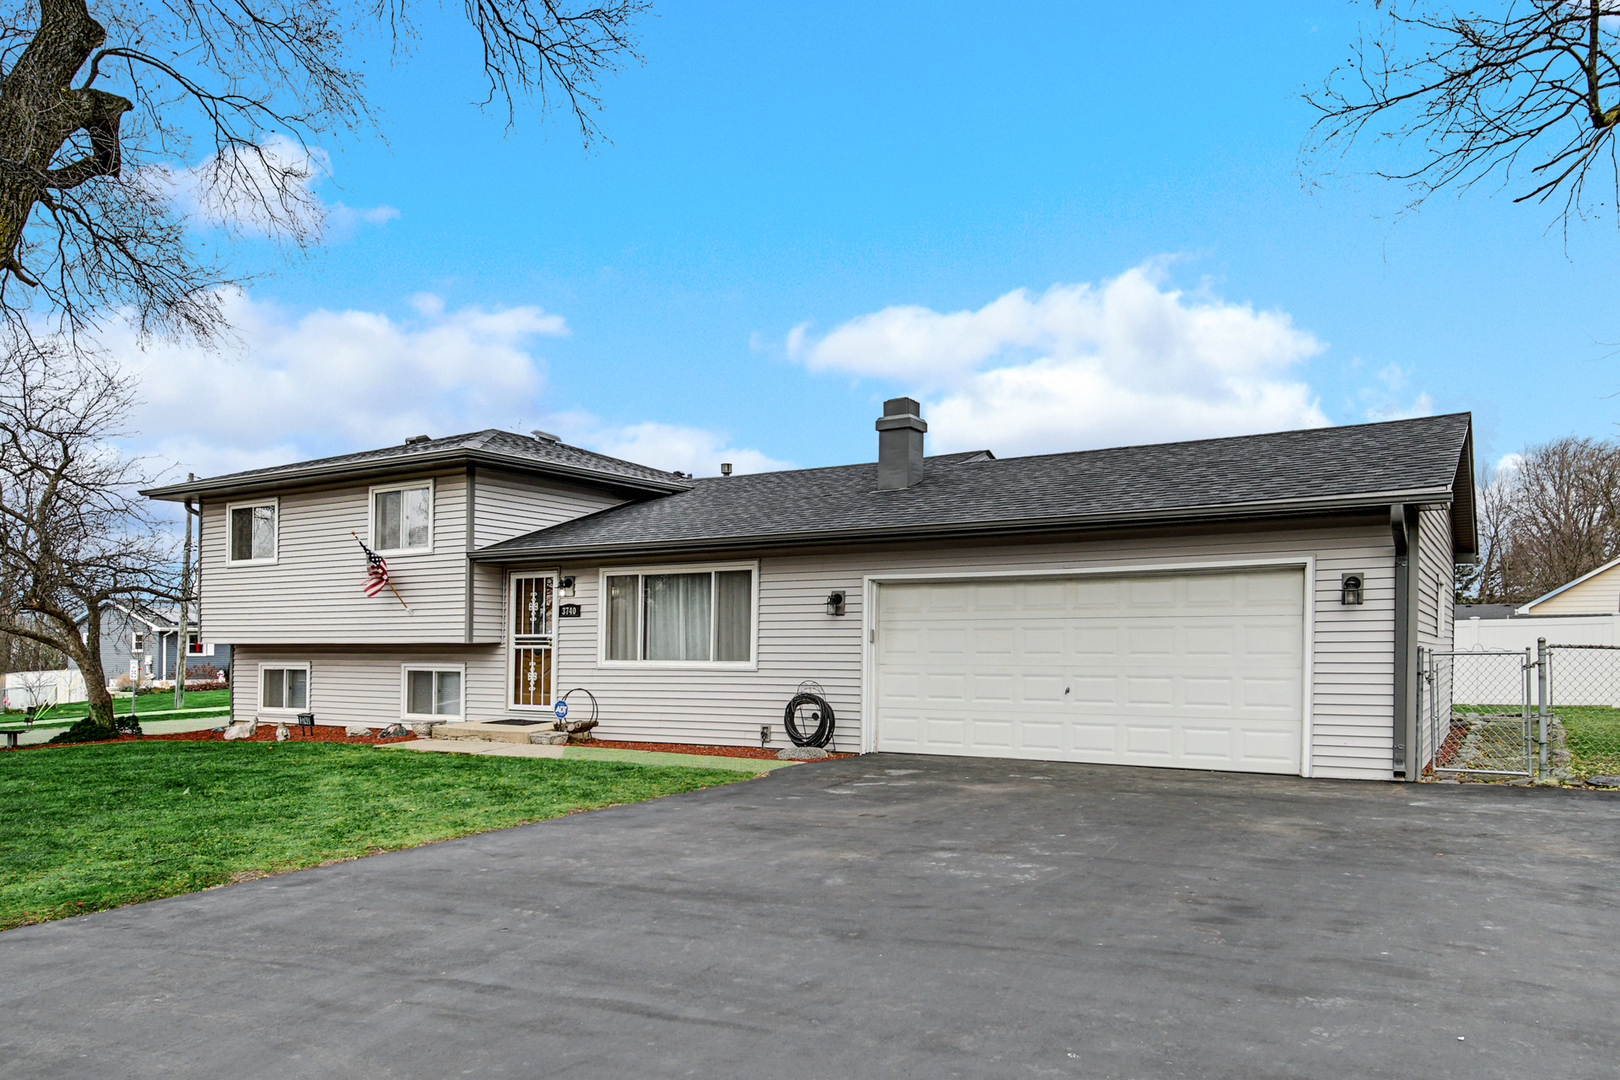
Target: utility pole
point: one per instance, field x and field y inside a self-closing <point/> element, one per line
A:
<point x="183" y="636"/>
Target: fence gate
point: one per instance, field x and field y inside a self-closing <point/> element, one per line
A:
<point x="1579" y="719"/>
<point x="1475" y="714"/>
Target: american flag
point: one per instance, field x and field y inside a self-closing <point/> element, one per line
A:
<point x="376" y="571"/>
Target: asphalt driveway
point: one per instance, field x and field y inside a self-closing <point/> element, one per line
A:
<point x="883" y="917"/>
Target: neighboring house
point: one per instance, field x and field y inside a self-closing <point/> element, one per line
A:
<point x="144" y="641"/>
<point x="1251" y="604"/>
<point x="1597" y="593"/>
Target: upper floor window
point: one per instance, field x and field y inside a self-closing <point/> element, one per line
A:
<point x="195" y="646"/>
<point x="679" y="615"/>
<point x="137" y="643"/>
<point x="402" y="517"/>
<point x="252" y="532"/>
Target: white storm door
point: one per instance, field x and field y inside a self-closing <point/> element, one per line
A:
<point x="1189" y="670"/>
<point x="531" y="641"/>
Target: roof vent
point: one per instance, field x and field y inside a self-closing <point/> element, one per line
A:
<point x="545" y="436"/>
<point x="414" y="439"/>
<point x="900" y="444"/>
<point x="725" y="468"/>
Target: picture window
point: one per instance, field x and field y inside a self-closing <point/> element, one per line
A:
<point x="684" y="617"/>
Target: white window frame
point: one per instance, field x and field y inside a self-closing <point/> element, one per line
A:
<point x="751" y="664"/>
<point x="405" y="691"/>
<point x="285" y="665"/>
<point x="204" y="648"/>
<point x="371" y="516"/>
<point x="137" y="641"/>
<point x="275" y="533"/>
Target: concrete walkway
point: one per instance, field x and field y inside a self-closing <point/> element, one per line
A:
<point x="587" y="753"/>
<point x="151" y="727"/>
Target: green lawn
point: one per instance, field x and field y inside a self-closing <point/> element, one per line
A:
<point x="163" y="701"/>
<point x="92" y="827"/>
<point x="1593" y="735"/>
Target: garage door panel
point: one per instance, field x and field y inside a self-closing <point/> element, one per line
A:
<point x="1198" y="670"/>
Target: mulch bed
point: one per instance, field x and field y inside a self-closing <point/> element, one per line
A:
<point x="689" y="748"/>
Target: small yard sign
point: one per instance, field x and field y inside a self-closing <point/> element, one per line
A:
<point x="561" y="709"/>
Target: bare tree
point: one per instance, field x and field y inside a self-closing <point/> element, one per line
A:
<point x="122" y="127"/>
<point x="1547" y="520"/>
<point x="74" y="534"/>
<point x="1524" y="95"/>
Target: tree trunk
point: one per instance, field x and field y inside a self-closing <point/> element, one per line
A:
<point x="95" y="677"/>
<point x="40" y="110"/>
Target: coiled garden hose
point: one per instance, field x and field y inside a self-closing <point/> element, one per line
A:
<point x="821" y="715"/>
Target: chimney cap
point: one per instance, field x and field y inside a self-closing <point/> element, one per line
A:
<point x="902" y="406"/>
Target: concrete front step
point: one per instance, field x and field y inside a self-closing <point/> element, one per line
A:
<point x="490" y="732"/>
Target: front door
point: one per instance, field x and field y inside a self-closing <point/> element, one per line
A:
<point x="531" y="642"/>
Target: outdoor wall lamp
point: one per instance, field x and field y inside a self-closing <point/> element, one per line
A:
<point x="835" y="602"/>
<point x="565" y="586"/>
<point x="1353" y="587"/>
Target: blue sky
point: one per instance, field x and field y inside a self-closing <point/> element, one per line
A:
<point x="806" y="209"/>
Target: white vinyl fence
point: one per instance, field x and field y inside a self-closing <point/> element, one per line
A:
<point x="1520" y="634"/>
<point x="25" y="689"/>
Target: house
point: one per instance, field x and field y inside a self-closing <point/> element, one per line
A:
<point x="1251" y="604"/>
<point x="141" y="641"/>
<point x="1596" y="593"/>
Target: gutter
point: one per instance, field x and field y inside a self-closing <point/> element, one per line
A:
<point x="245" y="485"/>
<point x="1377" y="502"/>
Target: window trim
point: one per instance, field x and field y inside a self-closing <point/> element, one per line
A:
<point x="405" y="692"/>
<point x="137" y="642"/>
<point x="275" y="533"/>
<point x="602" y="575"/>
<point x="371" y="515"/>
<point x="204" y="648"/>
<point x="284" y="665"/>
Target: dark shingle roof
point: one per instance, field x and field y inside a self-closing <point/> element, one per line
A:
<point x="493" y="446"/>
<point x="1405" y="460"/>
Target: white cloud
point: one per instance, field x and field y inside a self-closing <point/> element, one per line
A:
<point x="1079" y="366"/>
<point x="1386" y="400"/>
<point x="695" y="451"/>
<point x="333" y="382"/>
<point x="267" y="190"/>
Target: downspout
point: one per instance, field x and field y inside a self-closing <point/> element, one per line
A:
<point x="1403" y="526"/>
<point x="471" y="503"/>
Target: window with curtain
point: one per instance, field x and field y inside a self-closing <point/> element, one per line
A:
<point x="689" y="617"/>
<point x="401" y="517"/>
<point x="433" y="691"/>
<point x="253" y="533"/>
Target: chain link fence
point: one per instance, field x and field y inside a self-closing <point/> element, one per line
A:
<point x="1579" y="707"/>
<point x="1475" y="718"/>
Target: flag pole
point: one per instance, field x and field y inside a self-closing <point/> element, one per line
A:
<point x="391" y="588"/>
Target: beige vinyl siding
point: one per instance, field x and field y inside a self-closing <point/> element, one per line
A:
<point x="507" y="505"/>
<point x="359" y="686"/>
<point x="313" y="592"/>
<point x="1597" y="595"/>
<point x="1352" y="689"/>
<point x="1435" y="630"/>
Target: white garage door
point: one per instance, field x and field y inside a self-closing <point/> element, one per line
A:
<point x="1194" y="670"/>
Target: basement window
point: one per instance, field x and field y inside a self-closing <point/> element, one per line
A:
<point x="432" y="691"/>
<point x="283" y="687"/>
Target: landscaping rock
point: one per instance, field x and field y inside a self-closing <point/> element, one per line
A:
<point x="1604" y="781"/>
<point x="394" y="731"/>
<point x="802" y="753"/>
<point x="424" y="730"/>
<point x="242" y="729"/>
<point x="282" y="734"/>
<point x="356" y="731"/>
<point x="548" y="738"/>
